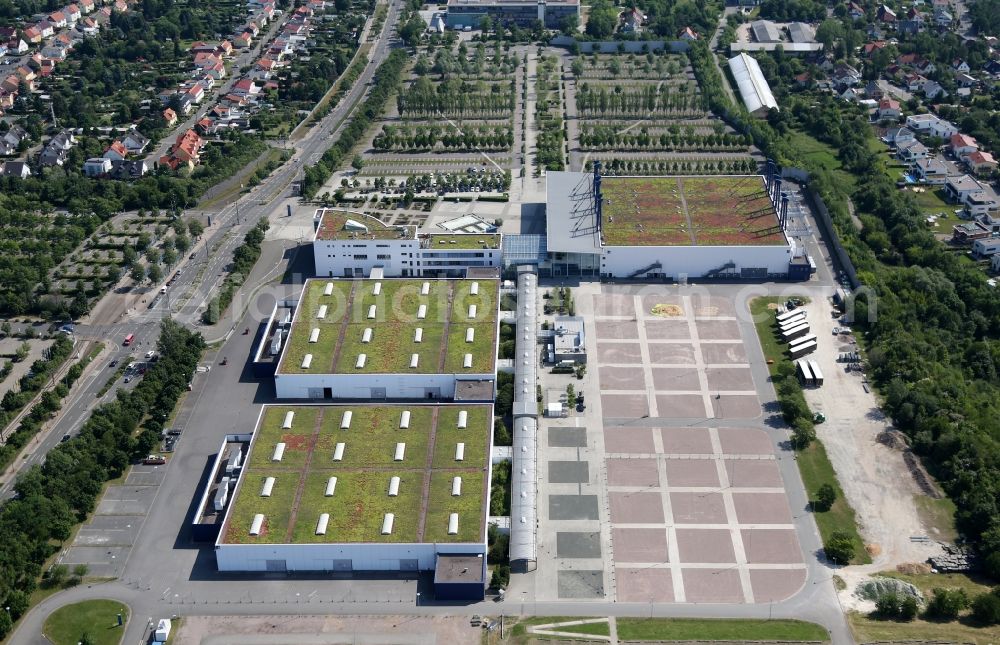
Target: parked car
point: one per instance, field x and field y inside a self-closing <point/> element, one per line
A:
<point x="154" y="460"/>
<point x="113" y="363"/>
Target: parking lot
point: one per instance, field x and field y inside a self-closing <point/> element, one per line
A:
<point x="669" y="486"/>
<point x="104" y="543"/>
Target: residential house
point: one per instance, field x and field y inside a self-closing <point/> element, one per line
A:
<point x="116" y="151"/>
<point x="844" y="75"/>
<point x="981" y="163"/>
<point x="15" y="169"/>
<point x="225" y="48"/>
<point x="45" y="28"/>
<point x="992" y="68"/>
<point x="120" y="6"/>
<point x="58" y="19"/>
<point x="888" y="110"/>
<point x="925" y="66"/>
<point x="245" y="88"/>
<point x="962" y="145"/>
<point x="185" y="151"/>
<point x="55" y="52"/>
<point x="986" y="248"/>
<point x="196" y="92"/>
<point x="885" y="14"/>
<point x="855" y="11"/>
<point x="206" y="82"/>
<point x="26" y="73"/>
<point x="185" y="103"/>
<point x="960" y="65"/>
<point x="72" y="12"/>
<point x="978" y="198"/>
<point x="10" y="84"/>
<point x="203" y="59"/>
<point x="52" y="156"/>
<point x="217" y="71"/>
<point x="915" y="82"/>
<point x="205" y="126"/>
<point x="7" y="33"/>
<point x="7" y="100"/>
<point x="898" y="136"/>
<point x="88" y="26"/>
<point x="911" y="151"/>
<point x="17" y="46"/>
<point x="242" y="41"/>
<point x="688" y="34"/>
<point x="33" y="35"/>
<point x="128" y="169"/>
<point x="931" y="125"/>
<point x="170" y="116"/>
<point x="262" y="70"/>
<point x="965" y="80"/>
<point x="97" y="166"/>
<point x="86" y="6"/>
<point x="930" y="170"/>
<point x="135" y="142"/>
<point x="15" y="135"/>
<point x="201" y="47"/>
<point x="874" y="91"/>
<point x="995" y="264"/>
<point x="943" y="18"/>
<point x="933" y="90"/>
<point x="969" y="232"/>
<point x="871" y="48"/>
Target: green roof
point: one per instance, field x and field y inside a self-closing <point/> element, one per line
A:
<point x="334" y="226"/>
<point x="392" y="343"/>
<point x="724" y="210"/>
<point x="462" y="241"/>
<point x="360" y="500"/>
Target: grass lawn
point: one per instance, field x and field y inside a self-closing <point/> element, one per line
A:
<point x="927" y="582"/>
<point x="938" y="515"/>
<point x="277" y="509"/>
<point x="98" y="618"/>
<point x="867" y="630"/>
<point x="469" y="506"/>
<point x="593" y="629"/>
<point x="465" y="241"/>
<point x="814" y="465"/>
<point x="701" y="630"/>
<point x="475" y="437"/>
<point x="481" y="348"/>
<point x="391" y="349"/>
<point x="820" y="153"/>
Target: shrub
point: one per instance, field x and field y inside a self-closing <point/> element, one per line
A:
<point x="986" y="608"/>
<point x="825" y="497"/>
<point x="887" y="605"/>
<point x="501" y="435"/>
<point x="501" y="577"/>
<point x="908" y="609"/>
<point x="946" y="604"/>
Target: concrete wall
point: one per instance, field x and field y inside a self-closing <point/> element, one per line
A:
<point x="322" y="557"/>
<point x="693" y="261"/>
<point x="360" y="386"/>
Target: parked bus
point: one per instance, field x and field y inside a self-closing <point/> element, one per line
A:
<point x="788" y="315"/>
<point x="128" y="340"/>
<point x="795" y="332"/>
<point x="803" y="349"/>
<point x="805" y="373"/>
<point x="817" y="375"/>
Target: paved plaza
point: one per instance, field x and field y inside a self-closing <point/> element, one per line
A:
<point x="668" y="487"/>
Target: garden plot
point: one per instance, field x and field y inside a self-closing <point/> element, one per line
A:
<point x="645" y="114"/>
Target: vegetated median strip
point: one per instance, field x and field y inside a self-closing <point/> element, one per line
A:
<point x="814" y="465"/>
<point x="245" y="256"/>
<point x="656" y="629"/>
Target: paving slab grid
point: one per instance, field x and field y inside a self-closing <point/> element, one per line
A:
<point x="667" y="489"/>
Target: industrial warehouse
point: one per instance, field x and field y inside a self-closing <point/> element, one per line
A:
<point x="391" y="339"/>
<point x="670" y="228"/>
<point x="359" y="488"/>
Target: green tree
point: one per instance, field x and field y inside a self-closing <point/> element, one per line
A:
<point x="840" y="547"/>
<point x="22" y="352"/>
<point x="908" y="608"/>
<point x="825" y="497"/>
<point x="986" y="608"/>
<point x="195" y="227"/>
<point x="887" y="605"/>
<point x="946" y="604"/>
<point x="829" y="32"/>
<point x="81" y="570"/>
<point x="138" y="272"/>
<point x="570" y="396"/>
<point x="357" y="163"/>
<point x="570" y="25"/>
<point x="501" y="435"/>
<point x="5" y="624"/>
<point x="602" y="19"/>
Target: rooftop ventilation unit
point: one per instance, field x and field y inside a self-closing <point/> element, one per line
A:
<point x="328" y="290"/>
<point x="414" y="360"/>
<point x="377" y="289"/>
<point x="257" y="524"/>
<point x="279" y="451"/>
<point x="289" y="416"/>
<point x="404" y="419"/>
<point x="307" y="361"/>
<point x="472" y="311"/>
<point x="387" y="523"/>
<point x="474" y="289"/>
<point x="421" y="312"/>
<point x="361" y="361"/>
<point x="463" y="419"/>
<point x="418" y="334"/>
<point x="400" y="452"/>
<point x="265" y="490"/>
<point x="460" y="451"/>
<point x="314" y="335"/>
<point x="467" y="361"/>
<point x="366" y="335"/>
<point x="331" y="486"/>
<point x="456" y="486"/>
<point x="453" y="524"/>
<point x="345" y="419"/>
<point x="322" y="312"/>
<point x="371" y="312"/>
<point x="425" y="288"/>
<point x="393" y="486"/>
<point x="338" y="452"/>
<point x="324" y="519"/>
<point x="470" y="335"/>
